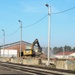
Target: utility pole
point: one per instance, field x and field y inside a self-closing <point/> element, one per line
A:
<point x="20" y="36"/>
<point x="3" y="41"/>
<point x="49" y="16"/>
<point x="63" y="53"/>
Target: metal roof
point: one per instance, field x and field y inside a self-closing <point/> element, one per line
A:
<point x="15" y="43"/>
<point x="65" y="53"/>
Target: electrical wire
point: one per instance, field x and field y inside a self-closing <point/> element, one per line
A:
<point x="64" y="11"/>
<point x="26" y="26"/>
<point x="35" y="22"/>
<point x="41" y="20"/>
<point x="13" y="32"/>
<point x="51" y="13"/>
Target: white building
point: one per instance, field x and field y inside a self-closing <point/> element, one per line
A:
<point x="8" y="53"/>
<point x="72" y="55"/>
<point x="65" y="55"/>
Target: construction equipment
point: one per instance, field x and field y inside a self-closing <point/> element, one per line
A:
<point x="34" y="50"/>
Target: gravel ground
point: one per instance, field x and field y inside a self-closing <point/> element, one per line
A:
<point x="4" y="70"/>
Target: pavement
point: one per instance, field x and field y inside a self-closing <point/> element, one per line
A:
<point x="4" y="70"/>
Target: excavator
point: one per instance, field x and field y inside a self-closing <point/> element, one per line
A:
<point x="35" y="50"/>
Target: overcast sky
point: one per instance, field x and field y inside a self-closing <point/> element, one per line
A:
<point x="31" y="11"/>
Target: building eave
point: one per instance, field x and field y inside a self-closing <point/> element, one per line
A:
<point x="14" y="43"/>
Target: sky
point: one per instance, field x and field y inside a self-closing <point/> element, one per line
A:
<point x="30" y="12"/>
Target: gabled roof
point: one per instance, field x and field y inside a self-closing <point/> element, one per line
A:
<point x="15" y="43"/>
<point x="65" y="53"/>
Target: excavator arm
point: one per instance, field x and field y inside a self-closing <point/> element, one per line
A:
<point x="34" y="43"/>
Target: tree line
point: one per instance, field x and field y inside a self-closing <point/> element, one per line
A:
<point x="56" y="50"/>
<point x="65" y="48"/>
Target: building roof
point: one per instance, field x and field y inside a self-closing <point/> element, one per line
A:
<point x="15" y="43"/>
<point x="65" y="53"/>
<point x="73" y="54"/>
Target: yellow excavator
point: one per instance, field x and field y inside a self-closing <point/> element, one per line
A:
<point x="34" y="50"/>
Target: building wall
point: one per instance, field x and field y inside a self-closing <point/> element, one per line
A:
<point x="61" y="56"/>
<point x="72" y="55"/>
<point x="8" y="53"/>
<point x="15" y="47"/>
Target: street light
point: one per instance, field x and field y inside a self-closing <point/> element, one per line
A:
<point x="20" y="37"/>
<point x="49" y="16"/>
<point x="3" y="41"/>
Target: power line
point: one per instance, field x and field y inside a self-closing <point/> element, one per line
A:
<point x="13" y="32"/>
<point x="64" y="10"/>
<point x="26" y="26"/>
<point x="51" y="13"/>
<point x="41" y="20"/>
<point x="35" y="22"/>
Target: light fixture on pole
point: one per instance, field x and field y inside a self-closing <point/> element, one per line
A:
<point x="20" y="37"/>
<point x="49" y="16"/>
<point x="3" y="41"/>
